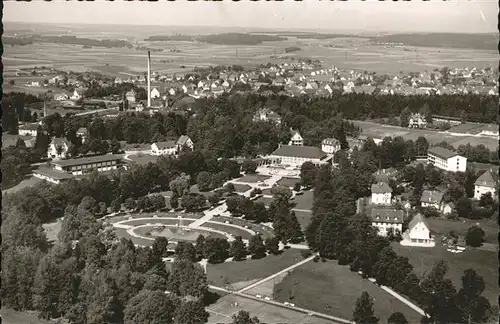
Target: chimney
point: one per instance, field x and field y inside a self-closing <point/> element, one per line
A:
<point x="149" y="79"/>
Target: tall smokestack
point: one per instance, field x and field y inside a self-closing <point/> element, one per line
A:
<point x="149" y="79"/>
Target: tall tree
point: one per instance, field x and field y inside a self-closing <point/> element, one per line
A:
<point x="238" y="249"/>
<point x="363" y="311"/>
<point x="191" y="312"/>
<point x="256" y="247"/>
<point x="150" y="307"/>
<point x="473" y="307"/>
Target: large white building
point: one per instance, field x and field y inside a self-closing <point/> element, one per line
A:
<point x="385" y="218"/>
<point x="417" y="121"/>
<point x="164" y="148"/>
<point x="487" y="182"/>
<point x="330" y="145"/>
<point x="418" y="233"/>
<point x="297" y="155"/>
<point x="28" y="129"/>
<point x="381" y="194"/>
<point x="446" y="160"/>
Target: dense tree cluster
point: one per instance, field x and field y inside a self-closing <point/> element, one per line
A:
<point x="16" y="108"/>
<point x="337" y="233"/>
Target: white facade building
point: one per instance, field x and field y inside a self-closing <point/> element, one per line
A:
<point x="297" y="155"/>
<point x="184" y="140"/>
<point x="58" y="148"/>
<point x="487" y="182"/>
<point x="431" y="199"/>
<point x="28" y="130"/>
<point x="385" y="218"/>
<point x="296" y="139"/>
<point x="155" y="93"/>
<point x="164" y="148"/>
<point x="418" y="233"/>
<point x="330" y="145"/>
<point x="446" y="160"/>
<point x="417" y="121"/>
<point x="381" y="194"/>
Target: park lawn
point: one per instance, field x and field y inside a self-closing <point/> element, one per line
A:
<point x="329" y="288"/>
<point x="288" y="182"/>
<point x="304" y="201"/>
<point x="234" y="231"/>
<point x="444" y="226"/>
<point x="304" y="218"/>
<point x="237" y="271"/>
<point x="485" y="263"/>
<point x="253" y="178"/>
<point x="241" y="188"/>
<point x="143" y="159"/>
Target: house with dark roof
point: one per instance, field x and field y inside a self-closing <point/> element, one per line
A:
<point x="487" y="182"/>
<point x="297" y="155"/>
<point x="28" y="129"/>
<point x="381" y="194"/>
<point x="446" y="159"/>
<point x="83" y="133"/>
<point x="58" y="148"/>
<point x="296" y="139"/>
<point x="330" y="145"/>
<point x="418" y="233"/>
<point x="164" y="148"/>
<point x="385" y="218"/>
<point x="432" y="199"/>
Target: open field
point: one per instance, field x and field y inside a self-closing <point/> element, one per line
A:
<point x="442" y="226"/>
<point x="10" y="316"/>
<point x="30" y="181"/>
<point x="380" y="131"/>
<point x="252" y="178"/>
<point x="227" y="229"/>
<point x="142" y="159"/>
<point x="332" y="289"/>
<point x="222" y="311"/>
<point x="304" y="201"/>
<point x="303" y="218"/>
<point x="240" y="188"/>
<point x="344" y="52"/>
<point x="249" y="270"/>
<point x="484" y="262"/>
<point x="8" y="139"/>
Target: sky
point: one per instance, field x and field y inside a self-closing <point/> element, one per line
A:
<point x="466" y="16"/>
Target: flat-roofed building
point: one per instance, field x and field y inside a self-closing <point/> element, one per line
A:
<point x="62" y="170"/>
<point x="297" y="155"/>
<point x="446" y="159"/>
<point x="385" y="218"/>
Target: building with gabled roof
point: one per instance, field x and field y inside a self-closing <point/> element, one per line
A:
<point x="418" y="233"/>
<point x="164" y="148"/>
<point x="58" y="148"/>
<point x="296" y="139"/>
<point x="183" y="141"/>
<point x="330" y="145"/>
<point x="297" y="155"/>
<point x="385" y="218"/>
<point x="486" y="183"/>
<point x="381" y="194"/>
<point x="431" y="198"/>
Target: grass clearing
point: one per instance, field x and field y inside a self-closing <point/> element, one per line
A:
<point x="253" y="178"/>
<point x="304" y="201"/>
<point x="304" y="218"/>
<point x="485" y="263"/>
<point x="240" y="188"/>
<point x="247" y="270"/>
<point x="444" y="226"/>
<point x="142" y="159"/>
<point x="329" y="288"/>
<point x="10" y="316"/>
<point x="288" y="182"/>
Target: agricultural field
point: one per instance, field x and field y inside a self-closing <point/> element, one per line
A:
<point x="329" y="288"/>
<point x="234" y="272"/>
<point x="484" y="262"/>
<point x="380" y="131"/>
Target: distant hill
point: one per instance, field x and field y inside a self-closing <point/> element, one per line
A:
<point x="469" y="41"/>
<point x="220" y="39"/>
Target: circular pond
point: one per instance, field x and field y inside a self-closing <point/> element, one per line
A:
<point x="174" y="233"/>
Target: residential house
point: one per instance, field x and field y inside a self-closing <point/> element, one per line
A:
<point x="487" y="182"/>
<point x="267" y="115"/>
<point x="78" y="94"/>
<point x="446" y="159"/>
<point x="381" y="194"/>
<point x="61" y="97"/>
<point x="184" y="141"/>
<point x="431" y="199"/>
<point x="448" y="208"/>
<point x="418" y="233"/>
<point x="155" y="93"/>
<point x="330" y="145"/>
<point x="58" y="148"/>
<point x="296" y="139"/>
<point x="164" y="148"/>
<point x="130" y="96"/>
<point x="385" y="218"/>
<point x="417" y="121"/>
<point x="28" y="129"/>
<point x="294" y="155"/>
<point x="83" y="133"/>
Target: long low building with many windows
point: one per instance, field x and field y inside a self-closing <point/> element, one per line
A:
<point x="297" y="155"/>
<point x="62" y="170"/>
<point x="446" y="159"/>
